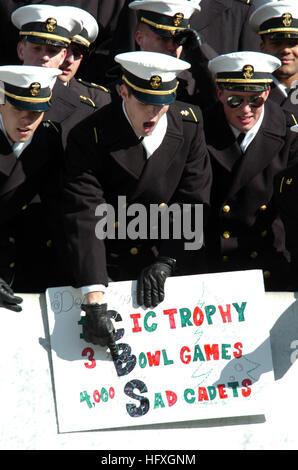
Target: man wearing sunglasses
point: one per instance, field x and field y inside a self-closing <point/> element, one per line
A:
<point x="277" y="25"/>
<point x="249" y="141"/>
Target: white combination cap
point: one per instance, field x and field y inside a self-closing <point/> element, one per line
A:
<point x="244" y="71"/>
<point x="46" y="24"/>
<point x="89" y="24"/>
<point x="166" y="17"/>
<point x="276" y="19"/>
<point x="152" y="76"/>
<point x="28" y="87"/>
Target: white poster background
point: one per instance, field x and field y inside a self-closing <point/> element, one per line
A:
<point x="174" y="371"/>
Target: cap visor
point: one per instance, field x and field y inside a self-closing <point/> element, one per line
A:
<point x="281" y="35"/>
<point x="158" y="100"/>
<point x="245" y="87"/>
<point x="29" y="106"/>
<point x="48" y="41"/>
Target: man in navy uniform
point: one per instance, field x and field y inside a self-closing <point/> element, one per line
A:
<point x="149" y="149"/>
<point x="249" y="142"/>
<point x="164" y="27"/>
<point x="106" y="13"/>
<point x="221" y="24"/>
<point x="277" y="25"/>
<point x="95" y="95"/>
<point x="30" y="169"/>
<point x="46" y="33"/>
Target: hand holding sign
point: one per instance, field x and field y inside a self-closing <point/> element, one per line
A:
<point x="151" y="282"/>
<point x="8" y="299"/>
<point x="98" y="327"/>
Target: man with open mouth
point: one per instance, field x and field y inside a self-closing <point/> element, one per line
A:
<point x="149" y="149"/>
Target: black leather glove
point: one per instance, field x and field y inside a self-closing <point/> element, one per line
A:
<point x="8" y="299"/>
<point x="188" y="38"/>
<point x="98" y="327"/>
<point x="151" y="282"/>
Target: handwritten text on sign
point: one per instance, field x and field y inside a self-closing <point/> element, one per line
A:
<point x="186" y="351"/>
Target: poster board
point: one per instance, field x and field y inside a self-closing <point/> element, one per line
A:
<point x="203" y="353"/>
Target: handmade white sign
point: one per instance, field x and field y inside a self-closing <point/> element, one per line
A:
<point x="204" y="352"/>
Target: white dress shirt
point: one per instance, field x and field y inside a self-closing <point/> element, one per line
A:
<point x="17" y="147"/>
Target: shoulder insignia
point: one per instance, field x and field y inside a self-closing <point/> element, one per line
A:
<point x="95" y="135"/>
<point x="294" y="119"/>
<point x="188" y="114"/>
<point x="101" y="87"/>
<point x="284" y="181"/>
<point x="87" y="100"/>
<point x="291" y="118"/>
<point x="49" y="123"/>
<point x="93" y="85"/>
<point x="247" y="2"/>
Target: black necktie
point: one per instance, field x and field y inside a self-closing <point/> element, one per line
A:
<point x="240" y="137"/>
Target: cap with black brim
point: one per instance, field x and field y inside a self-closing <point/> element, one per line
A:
<point x="46" y="24"/>
<point x="28" y="87"/>
<point x="244" y="71"/>
<point x="165" y="18"/>
<point x="276" y="20"/>
<point x="151" y="76"/>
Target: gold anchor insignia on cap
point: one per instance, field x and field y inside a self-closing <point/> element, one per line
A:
<point x="51" y="25"/>
<point x="248" y="72"/>
<point x="34" y="89"/>
<point x="155" y="82"/>
<point x="178" y="19"/>
<point x="287" y="19"/>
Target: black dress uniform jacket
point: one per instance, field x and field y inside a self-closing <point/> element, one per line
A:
<point x="29" y="206"/>
<point x="224" y="25"/>
<point x="244" y="231"/>
<point x="289" y="103"/>
<point x="286" y="197"/>
<point x="104" y="160"/>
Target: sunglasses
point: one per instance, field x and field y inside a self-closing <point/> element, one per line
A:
<point x="254" y="101"/>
